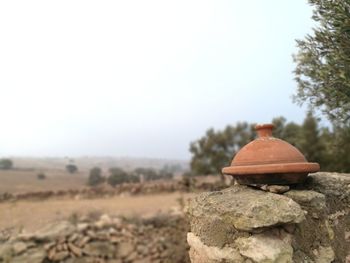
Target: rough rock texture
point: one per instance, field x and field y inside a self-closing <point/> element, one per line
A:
<point x="310" y="223"/>
<point x="108" y="240"/>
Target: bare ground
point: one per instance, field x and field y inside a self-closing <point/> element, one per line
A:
<point x="31" y="215"/>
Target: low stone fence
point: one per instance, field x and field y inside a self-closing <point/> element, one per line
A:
<point x="105" y="192"/>
<point x="107" y="240"/>
<point x="310" y="223"/>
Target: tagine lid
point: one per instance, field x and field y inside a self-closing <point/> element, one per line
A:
<point x="269" y="155"/>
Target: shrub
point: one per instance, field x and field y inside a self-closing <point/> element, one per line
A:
<point x="71" y="168"/>
<point x="95" y="177"/>
<point x="6" y="164"/>
<point x="117" y="176"/>
<point x="41" y="176"/>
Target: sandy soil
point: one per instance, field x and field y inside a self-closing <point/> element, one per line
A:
<point x="31" y="215"/>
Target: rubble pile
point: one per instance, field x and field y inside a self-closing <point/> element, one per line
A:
<point x="160" y="238"/>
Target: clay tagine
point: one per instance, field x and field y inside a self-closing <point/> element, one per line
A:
<point x="268" y="160"/>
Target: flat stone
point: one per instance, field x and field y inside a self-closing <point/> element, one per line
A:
<point x="50" y="232"/>
<point x="6" y="252"/>
<point x="245" y="208"/>
<point x="19" y="247"/>
<point x="100" y="248"/>
<point x="35" y="255"/>
<point x="60" y="256"/>
<point x="266" y="248"/>
<point x="331" y="184"/>
<point x="308" y="198"/>
<point x="278" y="189"/>
<point x="125" y="249"/>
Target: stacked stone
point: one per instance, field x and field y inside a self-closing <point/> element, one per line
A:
<point x="108" y="240"/>
<point x="105" y="192"/>
<point x="310" y="223"/>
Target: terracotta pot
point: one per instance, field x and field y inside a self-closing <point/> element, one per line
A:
<point x="268" y="160"/>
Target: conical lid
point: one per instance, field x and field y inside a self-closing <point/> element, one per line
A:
<point x="269" y="155"/>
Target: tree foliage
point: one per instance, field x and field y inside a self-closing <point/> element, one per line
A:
<point x="323" y="61"/>
<point x="215" y="149"/>
<point x="117" y="176"/>
<point x="95" y="177"/>
<point x="71" y="168"/>
<point x="328" y="147"/>
<point x="6" y="164"/>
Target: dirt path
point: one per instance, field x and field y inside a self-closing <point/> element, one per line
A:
<point x="31" y="215"/>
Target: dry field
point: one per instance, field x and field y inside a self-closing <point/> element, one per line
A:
<point x="22" y="181"/>
<point x="32" y="215"/>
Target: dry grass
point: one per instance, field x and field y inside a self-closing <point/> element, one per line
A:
<point x="21" y="181"/>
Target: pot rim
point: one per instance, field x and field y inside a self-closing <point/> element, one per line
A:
<point x="272" y="168"/>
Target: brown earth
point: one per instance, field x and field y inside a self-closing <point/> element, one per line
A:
<point x="32" y="215"/>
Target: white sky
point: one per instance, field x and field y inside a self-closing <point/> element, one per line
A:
<point x="142" y="78"/>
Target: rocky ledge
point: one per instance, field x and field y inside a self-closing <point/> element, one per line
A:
<point x="309" y="223"/>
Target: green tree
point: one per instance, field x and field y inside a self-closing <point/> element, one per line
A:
<point x="95" y="177"/>
<point x="6" y="164"/>
<point x="323" y="61"/>
<point x="117" y="176"/>
<point x="311" y="144"/>
<point x="338" y="149"/>
<point x="148" y="174"/>
<point x="216" y="148"/>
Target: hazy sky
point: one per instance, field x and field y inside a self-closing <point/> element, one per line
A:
<point x="142" y="78"/>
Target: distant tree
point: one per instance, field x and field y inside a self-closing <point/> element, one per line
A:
<point x="117" y="176"/>
<point x="311" y="144"/>
<point x="216" y="148"/>
<point x="6" y="164"/>
<point x="167" y="172"/>
<point x="329" y="147"/>
<point x="323" y="61"/>
<point x="133" y="178"/>
<point x="338" y="149"/>
<point x="290" y="132"/>
<point x="41" y="176"/>
<point x="71" y="168"/>
<point x="148" y="174"/>
<point x="95" y="177"/>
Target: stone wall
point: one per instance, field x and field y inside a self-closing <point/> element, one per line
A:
<point x="307" y="223"/>
<point x="107" y="240"/>
<point x="155" y="187"/>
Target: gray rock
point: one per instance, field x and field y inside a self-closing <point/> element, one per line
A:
<point x="308" y="198"/>
<point x="50" y="232"/>
<point x="200" y="252"/>
<point x="36" y="255"/>
<point x="266" y="248"/>
<point x="245" y="209"/>
<point x="100" y="248"/>
<point x="331" y="184"/>
<point x="6" y="252"/>
<point x="19" y="247"/>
